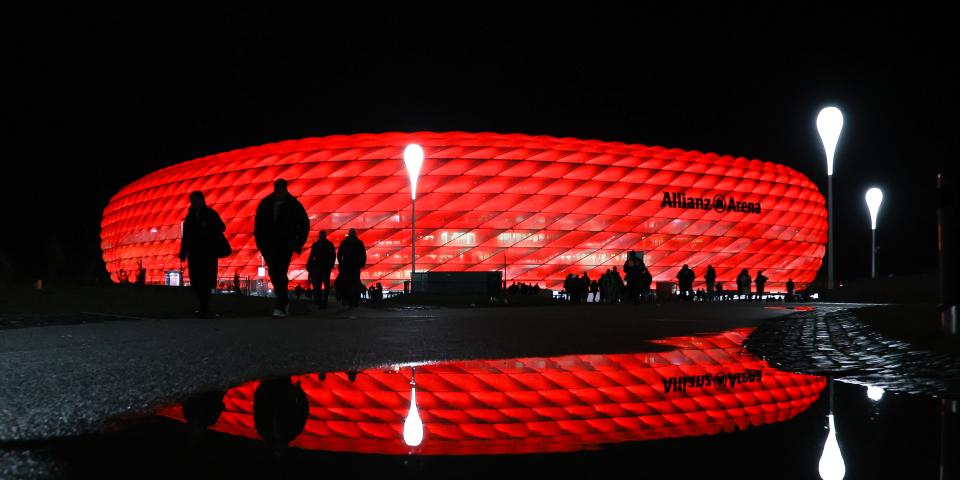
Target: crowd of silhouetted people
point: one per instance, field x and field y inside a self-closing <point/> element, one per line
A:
<point x="281" y="227"/>
<point x="635" y="286"/>
<point x="520" y="288"/>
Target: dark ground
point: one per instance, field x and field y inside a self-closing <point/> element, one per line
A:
<point x="71" y="376"/>
<point x="69" y="379"/>
<point x="895" y="439"/>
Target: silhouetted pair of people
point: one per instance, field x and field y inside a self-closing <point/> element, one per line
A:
<point x="280" y="228"/>
<point x="611" y="286"/>
<point x="280" y="411"/>
<point x="352" y="257"/>
<point x="520" y="288"/>
<point x="577" y="288"/>
<point x="743" y="284"/>
<point x="375" y="292"/>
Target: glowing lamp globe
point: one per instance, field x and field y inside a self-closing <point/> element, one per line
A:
<point x="829" y="124"/>
<point x="874" y="199"/>
<point x="413" y="159"/>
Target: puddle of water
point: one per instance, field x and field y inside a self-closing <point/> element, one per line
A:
<point x="703" y="407"/>
<point x="704" y="385"/>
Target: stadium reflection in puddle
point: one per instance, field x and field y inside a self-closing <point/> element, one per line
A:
<point x="700" y="385"/>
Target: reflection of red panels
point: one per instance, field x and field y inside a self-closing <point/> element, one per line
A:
<point x="539" y="405"/>
<point x="559" y="191"/>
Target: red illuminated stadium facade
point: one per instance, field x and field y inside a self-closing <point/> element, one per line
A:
<point x="700" y="385"/>
<point x="539" y="207"/>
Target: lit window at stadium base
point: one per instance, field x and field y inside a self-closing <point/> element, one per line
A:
<point x="689" y="386"/>
<point x="536" y="207"/>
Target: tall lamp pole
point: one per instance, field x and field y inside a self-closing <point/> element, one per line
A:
<point x="413" y="159"/>
<point x="829" y="124"/>
<point x="874" y="199"/>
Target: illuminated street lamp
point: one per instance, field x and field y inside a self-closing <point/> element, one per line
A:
<point x="874" y="199"/>
<point x="413" y="159"/>
<point x="829" y="124"/>
<point x="413" y="425"/>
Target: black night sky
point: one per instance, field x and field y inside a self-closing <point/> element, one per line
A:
<point x="94" y="99"/>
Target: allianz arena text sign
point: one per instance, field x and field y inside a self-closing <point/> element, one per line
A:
<point x="539" y="206"/>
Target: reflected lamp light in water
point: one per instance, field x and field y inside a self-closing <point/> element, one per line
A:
<point x="687" y="386"/>
<point x="874" y="393"/>
<point x="413" y="426"/>
<point x="831" y="465"/>
<point x="831" y="461"/>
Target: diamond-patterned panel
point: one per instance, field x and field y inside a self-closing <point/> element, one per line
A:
<point x="536" y="202"/>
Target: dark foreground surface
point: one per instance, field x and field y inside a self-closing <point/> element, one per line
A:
<point x="77" y="397"/>
<point x="70" y="379"/>
<point x="897" y="437"/>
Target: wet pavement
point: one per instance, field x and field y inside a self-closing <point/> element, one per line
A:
<point x="63" y="380"/>
<point x="76" y="396"/>
<point x="699" y="385"/>
<point x="895" y="438"/>
<point x="831" y="341"/>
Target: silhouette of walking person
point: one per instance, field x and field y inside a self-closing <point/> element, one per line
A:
<point x="790" y="290"/>
<point x="632" y="268"/>
<point x="352" y="257"/>
<point x="743" y="284"/>
<point x="760" y="281"/>
<point x="646" y="280"/>
<point x="711" y="278"/>
<point x="280" y="229"/>
<point x="200" y="247"/>
<point x="584" y="287"/>
<point x="685" y="279"/>
<point x="322" y="257"/>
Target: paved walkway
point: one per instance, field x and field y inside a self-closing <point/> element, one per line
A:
<point x="831" y="341"/>
<point x="63" y="380"/>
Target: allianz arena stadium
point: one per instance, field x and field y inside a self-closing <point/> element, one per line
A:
<point x="535" y="207"/>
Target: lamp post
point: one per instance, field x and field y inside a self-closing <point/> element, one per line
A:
<point x="874" y="199"/>
<point x="829" y="124"/>
<point x="413" y="159"/>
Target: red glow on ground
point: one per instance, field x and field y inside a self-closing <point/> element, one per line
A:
<point x="538" y="405"/>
